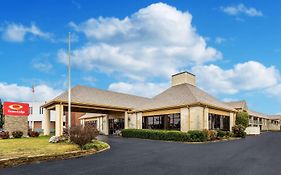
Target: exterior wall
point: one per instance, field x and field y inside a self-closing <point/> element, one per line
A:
<point x="184" y="114"/>
<point x="231" y="120"/>
<point x="75" y="121"/>
<point x="105" y="129"/>
<point x="139" y="120"/>
<point x="196" y="118"/>
<point x="162" y="112"/>
<point x="37" y="115"/>
<point x="264" y="124"/>
<point x="182" y="78"/>
<point x="206" y="118"/>
<point x="252" y="130"/>
<point x="132" y="120"/>
<point x="16" y="123"/>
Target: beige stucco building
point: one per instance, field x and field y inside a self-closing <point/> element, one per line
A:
<point x="182" y="107"/>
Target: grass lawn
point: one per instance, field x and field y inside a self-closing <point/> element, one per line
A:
<point x="10" y="148"/>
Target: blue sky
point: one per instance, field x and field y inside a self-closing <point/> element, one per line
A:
<point x="234" y="47"/>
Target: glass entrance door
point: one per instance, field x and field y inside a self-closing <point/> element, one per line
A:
<point x="116" y="125"/>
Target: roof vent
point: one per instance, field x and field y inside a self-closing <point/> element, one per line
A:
<point x="183" y="78"/>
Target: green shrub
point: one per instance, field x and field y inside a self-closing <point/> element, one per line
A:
<point x="198" y="136"/>
<point x="191" y="136"/>
<point x="4" y="135"/>
<point x="229" y="134"/>
<point x="33" y="133"/>
<point x="97" y="145"/>
<point x="17" y="134"/>
<point x="221" y="134"/>
<point x="211" y="134"/>
<point x="82" y="135"/>
<point x="239" y="131"/>
<point x="242" y="118"/>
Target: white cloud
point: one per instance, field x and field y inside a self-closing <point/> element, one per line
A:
<point x="242" y="77"/>
<point x="156" y="41"/>
<point x="17" y="32"/>
<point x="219" y="40"/>
<point x="14" y="92"/>
<point x="140" y="89"/>
<point x="44" y="67"/>
<point x="275" y="91"/>
<point x="236" y="10"/>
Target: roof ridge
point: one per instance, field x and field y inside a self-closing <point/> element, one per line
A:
<point x="103" y="90"/>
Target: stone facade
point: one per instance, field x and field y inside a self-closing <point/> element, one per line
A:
<point x="16" y="123"/>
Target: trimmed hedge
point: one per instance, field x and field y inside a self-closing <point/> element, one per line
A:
<point x="190" y="136"/>
<point x="17" y="134"/>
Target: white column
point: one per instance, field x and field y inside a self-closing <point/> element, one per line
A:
<point x="59" y="120"/>
<point x="139" y="120"/>
<point x="32" y="125"/>
<point x="105" y="125"/>
<point x="126" y="120"/>
<point x="231" y="120"/>
<point x="206" y="118"/>
<point x="46" y="122"/>
<point x="184" y="119"/>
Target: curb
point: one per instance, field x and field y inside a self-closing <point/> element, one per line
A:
<point x="5" y="163"/>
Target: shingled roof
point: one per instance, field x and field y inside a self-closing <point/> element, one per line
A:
<point x="183" y="94"/>
<point x="93" y="96"/>
<point x="238" y="104"/>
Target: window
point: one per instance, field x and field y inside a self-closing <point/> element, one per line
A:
<point x="41" y="110"/>
<point x="168" y="122"/>
<point x="219" y="122"/>
<point x="30" y="110"/>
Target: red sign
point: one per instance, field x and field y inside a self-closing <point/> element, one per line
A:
<point x="16" y="109"/>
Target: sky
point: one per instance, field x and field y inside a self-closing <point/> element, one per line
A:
<point x="233" y="48"/>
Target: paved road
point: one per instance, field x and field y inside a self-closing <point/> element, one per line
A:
<point x="259" y="155"/>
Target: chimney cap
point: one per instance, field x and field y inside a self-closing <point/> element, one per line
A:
<point x="183" y="73"/>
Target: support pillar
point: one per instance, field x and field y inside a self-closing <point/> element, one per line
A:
<point x="126" y="120"/>
<point x="184" y="119"/>
<point x="231" y="121"/>
<point x="59" y="120"/>
<point x="105" y="125"/>
<point x="46" y="122"/>
<point x="139" y="120"/>
<point x="206" y="118"/>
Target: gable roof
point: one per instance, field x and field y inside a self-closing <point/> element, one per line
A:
<point x="238" y="104"/>
<point x="257" y="114"/>
<point x="183" y="94"/>
<point x="89" y="95"/>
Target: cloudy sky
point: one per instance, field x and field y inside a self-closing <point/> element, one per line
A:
<point x="233" y="47"/>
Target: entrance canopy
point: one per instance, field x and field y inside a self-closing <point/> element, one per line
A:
<point x="90" y="100"/>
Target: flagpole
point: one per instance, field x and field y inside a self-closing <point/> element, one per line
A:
<point x="69" y="85"/>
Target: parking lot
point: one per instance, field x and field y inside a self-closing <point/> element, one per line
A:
<point x="256" y="155"/>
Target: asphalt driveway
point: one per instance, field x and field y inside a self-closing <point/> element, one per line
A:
<point x="255" y="155"/>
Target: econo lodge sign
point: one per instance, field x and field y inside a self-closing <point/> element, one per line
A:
<point x="16" y="109"/>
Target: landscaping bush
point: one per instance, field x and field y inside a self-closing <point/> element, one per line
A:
<point x="198" y="136"/>
<point x="211" y="134"/>
<point x="82" y="135"/>
<point x="17" y="134"/>
<point x="191" y="136"/>
<point x="97" y="145"/>
<point x="242" y="118"/>
<point x="228" y="134"/>
<point x="4" y="135"/>
<point x="239" y="131"/>
<point x="221" y="134"/>
<point x="33" y="133"/>
<point x="65" y="132"/>
<point x="57" y="139"/>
